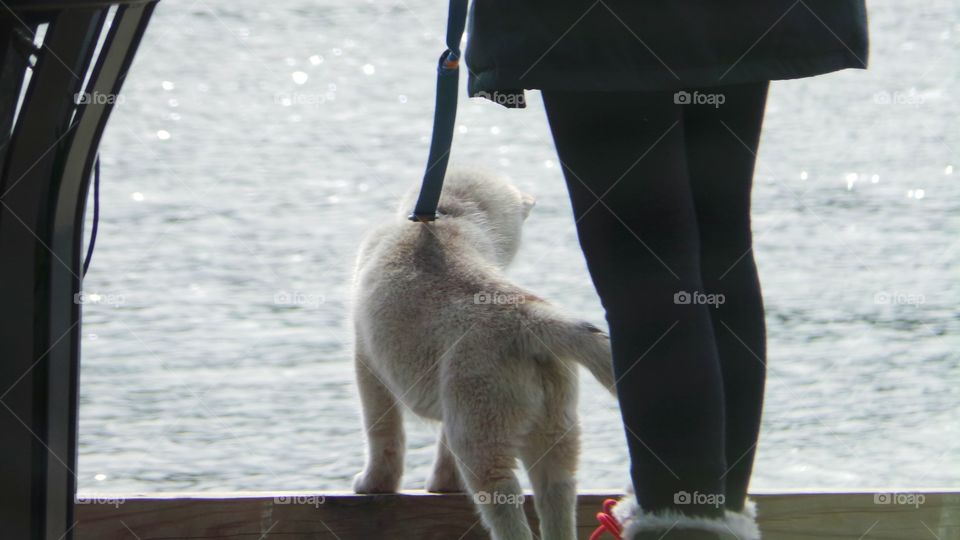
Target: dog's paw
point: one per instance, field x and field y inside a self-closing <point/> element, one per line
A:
<point x="366" y="483"/>
<point x="438" y="487"/>
<point x="444" y="481"/>
<point x="449" y="484"/>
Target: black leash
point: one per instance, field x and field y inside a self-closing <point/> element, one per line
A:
<point x="444" y="116"/>
<point x="96" y="215"/>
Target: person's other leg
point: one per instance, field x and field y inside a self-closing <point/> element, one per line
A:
<point x="721" y="151"/>
<point x="642" y="250"/>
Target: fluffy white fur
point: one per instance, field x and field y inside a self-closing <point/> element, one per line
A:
<point x="499" y="371"/>
<point x="735" y="525"/>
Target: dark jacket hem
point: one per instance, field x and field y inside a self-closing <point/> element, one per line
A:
<point x="505" y="85"/>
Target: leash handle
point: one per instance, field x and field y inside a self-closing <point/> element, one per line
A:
<point x="444" y="116"/>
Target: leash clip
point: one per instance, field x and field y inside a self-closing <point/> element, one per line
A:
<point x="422" y="217"/>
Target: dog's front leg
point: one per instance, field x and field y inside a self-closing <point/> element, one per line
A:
<point x="383" y="422"/>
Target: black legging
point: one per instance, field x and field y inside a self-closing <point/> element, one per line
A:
<point x="661" y="195"/>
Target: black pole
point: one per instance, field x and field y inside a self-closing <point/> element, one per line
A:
<point x="46" y="158"/>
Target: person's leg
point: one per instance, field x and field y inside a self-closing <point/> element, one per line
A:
<point x="721" y="150"/>
<point x="642" y="249"/>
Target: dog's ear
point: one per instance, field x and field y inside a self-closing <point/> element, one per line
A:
<point x="528" y="203"/>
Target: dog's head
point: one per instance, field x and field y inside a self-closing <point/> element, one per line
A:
<point x="486" y="200"/>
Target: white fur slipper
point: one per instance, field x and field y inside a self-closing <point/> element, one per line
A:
<point x="631" y="519"/>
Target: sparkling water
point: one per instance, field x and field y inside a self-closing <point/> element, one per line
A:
<point x="254" y="143"/>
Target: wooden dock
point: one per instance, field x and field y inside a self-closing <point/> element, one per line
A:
<point x="412" y="515"/>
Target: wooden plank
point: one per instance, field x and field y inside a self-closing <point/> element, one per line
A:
<point x="902" y="515"/>
<point x="913" y="515"/>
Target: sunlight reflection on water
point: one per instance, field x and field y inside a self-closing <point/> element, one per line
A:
<point x="257" y="142"/>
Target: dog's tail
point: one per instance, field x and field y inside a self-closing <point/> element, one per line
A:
<point x="571" y="340"/>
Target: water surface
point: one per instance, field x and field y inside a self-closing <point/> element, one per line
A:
<point x="256" y="142"/>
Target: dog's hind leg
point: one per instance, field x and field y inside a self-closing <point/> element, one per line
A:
<point x="383" y="422"/>
<point x="551" y="461"/>
<point x="483" y="442"/>
<point x="444" y="478"/>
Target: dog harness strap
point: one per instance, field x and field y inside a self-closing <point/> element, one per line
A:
<point x="444" y="115"/>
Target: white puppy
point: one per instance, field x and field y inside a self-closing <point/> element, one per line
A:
<point x="440" y="330"/>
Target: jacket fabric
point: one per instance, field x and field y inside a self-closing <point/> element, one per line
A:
<point x="625" y="45"/>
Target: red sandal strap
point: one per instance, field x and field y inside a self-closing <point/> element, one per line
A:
<point x="608" y="523"/>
